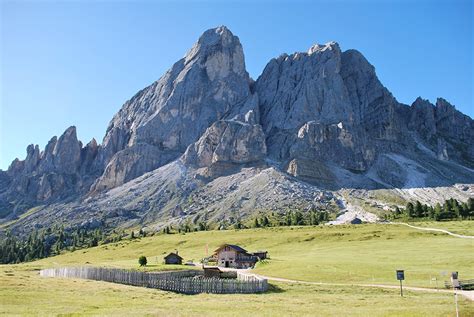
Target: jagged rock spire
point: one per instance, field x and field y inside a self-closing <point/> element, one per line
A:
<point x="162" y="120"/>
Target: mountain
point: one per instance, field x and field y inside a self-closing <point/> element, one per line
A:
<point x="317" y="129"/>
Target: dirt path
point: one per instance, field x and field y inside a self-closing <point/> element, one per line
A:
<point x="434" y="229"/>
<point x="468" y="294"/>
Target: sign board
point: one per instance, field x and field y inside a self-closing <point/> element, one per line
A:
<point x="400" y="275"/>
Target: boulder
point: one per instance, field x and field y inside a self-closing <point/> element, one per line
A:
<point x="313" y="171"/>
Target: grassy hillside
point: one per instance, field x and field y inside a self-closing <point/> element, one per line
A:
<point x="342" y="254"/>
<point x="459" y="227"/>
<point x="363" y="254"/>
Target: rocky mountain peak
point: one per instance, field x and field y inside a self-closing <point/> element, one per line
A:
<point x="32" y="157"/>
<point x="161" y="121"/>
<point x="443" y="105"/>
<point x="67" y="152"/>
<point x="420" y="102"/>
<point x="92" y="144"/>
<point x="219" y="52"/>
<point x="317" y="48"/>
<point x="322" y="116"/>
<point x="220" y="34"/>
<point x="291" y="88"/>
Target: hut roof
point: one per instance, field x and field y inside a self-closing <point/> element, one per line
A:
<point x="233" y="246"/>
<point x="174" y="255"/>
<point x="211" y="268"/>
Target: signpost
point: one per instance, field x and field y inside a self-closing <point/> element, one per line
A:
<point x="435" y="279"/>
<point x="455" y="282"/>
<point x="401" y="277"/>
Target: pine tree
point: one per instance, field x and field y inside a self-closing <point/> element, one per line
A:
<point x="470" y="204"/>
<point x="323" y="216"/>
<point x="410" y="210"/>
<point x="289" y="218"/>
<point x="256" y="224"/>
<point x="438" y="212"/>
<point x="431" y="212"/>
<point x="298" y="218"/>
<point x="464" y="211"/>
<point x="425" y="211"/>
<point x="397" y="211"/>
<point x="418" y="210"/>
<point x="456" y="213"/>
<point x="314" y="218"/>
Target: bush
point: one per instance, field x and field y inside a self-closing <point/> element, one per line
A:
<point x="142" y="260"/>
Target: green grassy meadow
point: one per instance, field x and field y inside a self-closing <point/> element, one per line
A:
<point x="333" y="254"/>
<point x="459" y="227"/>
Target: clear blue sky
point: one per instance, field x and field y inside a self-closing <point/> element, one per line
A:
<point x="76" y="62"/>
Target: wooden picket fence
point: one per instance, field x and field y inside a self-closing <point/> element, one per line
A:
<point x="467" y="285"/>
<point x="186" y="282"/>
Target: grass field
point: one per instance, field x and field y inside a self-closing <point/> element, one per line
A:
<point x="459" y="227"/>
<point x="338" y="254"/>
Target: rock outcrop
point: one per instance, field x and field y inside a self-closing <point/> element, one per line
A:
<point x="444" y="130"/>
<point x="227" y="144"/>
<point x="310" y="170"/>
<point x="59" y="172"/>
<point x="130" y="163"/>
<point x="325" y="87"/>
<point x="335" y="143"/>
<point x="162" y="120"/>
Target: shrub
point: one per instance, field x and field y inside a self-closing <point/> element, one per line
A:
<point x="142" y="260"/>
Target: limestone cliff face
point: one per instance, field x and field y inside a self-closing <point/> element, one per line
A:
<point x="164" y="118"/>
<point x="293" y="89"/>
<point x="446" y="131"/>
<point x="422" y="118"/>
<point x="59" y="172"/>
<point x="329" y="106"/>
<point x="326" y="104"/>
<point x="336" y="143"/>
<point x="226" y="144"/>
<point x="130" y="163"/>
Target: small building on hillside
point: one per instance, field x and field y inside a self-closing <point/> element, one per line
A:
<point x="216" y="272"/>
<point x="262" y="255"/>
<point x="173" y="258"/>
<point x="356" y="221"/>
<point x="212" y="271"/>
<point x="231" y="255"/>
